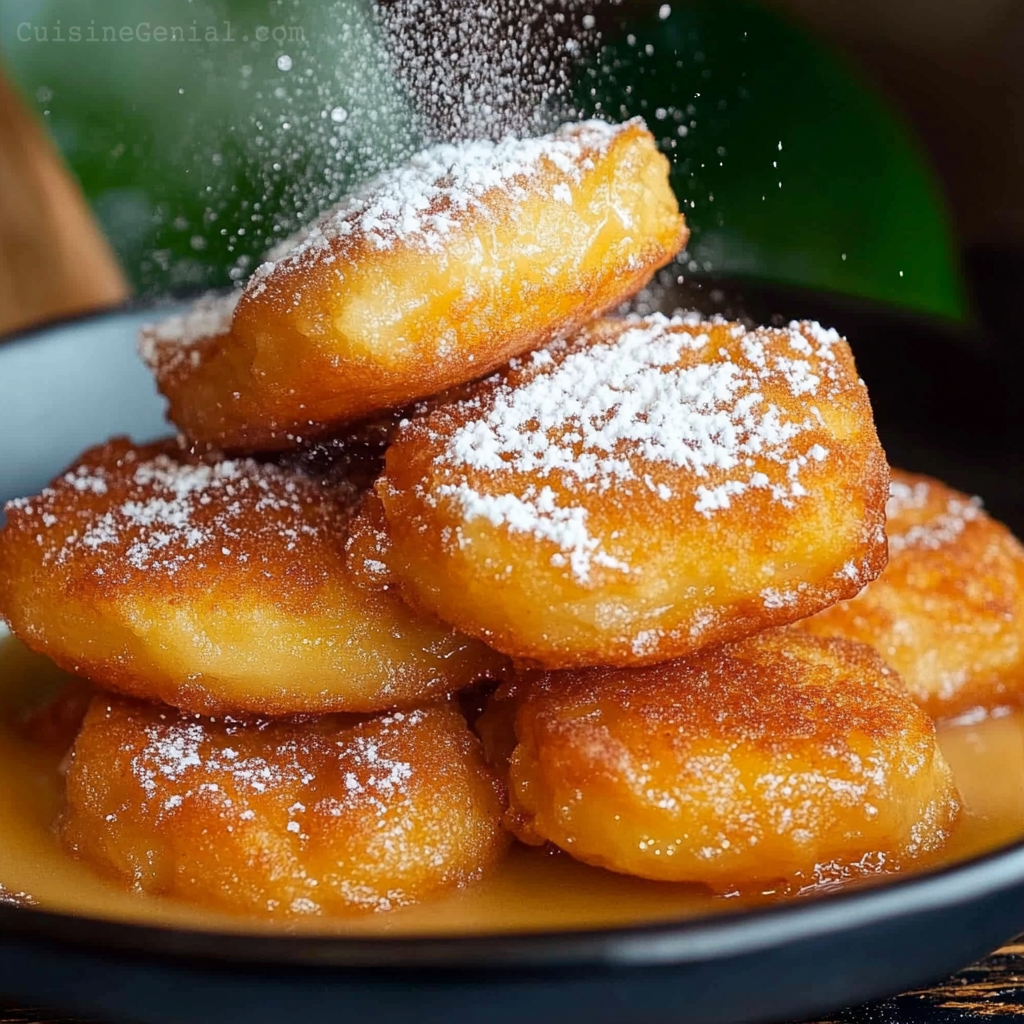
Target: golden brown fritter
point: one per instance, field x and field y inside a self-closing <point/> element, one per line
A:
<point x="201" y="370"/>
<point x="948" y="612"/>
<point x="216" y="587"/>
<point x="641" y="490"/>
<point x="433" y="274"/>
<point x="782" y="757"/>
<point x="309" y="816"/>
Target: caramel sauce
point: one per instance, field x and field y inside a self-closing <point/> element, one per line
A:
<point x="532" y="890"/>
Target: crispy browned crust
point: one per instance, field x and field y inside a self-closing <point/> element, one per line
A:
<point x="210" y="402"/>
<point x="288" y="817"/>
<point x="134" y="570"/>
<point x="782" y="757"/>
<point x="948" y="611"/>
<point x="690" y="578"/>
<point x="342" y="332"/>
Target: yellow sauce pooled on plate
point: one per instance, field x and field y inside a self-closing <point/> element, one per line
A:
<point x="532" y="890"/>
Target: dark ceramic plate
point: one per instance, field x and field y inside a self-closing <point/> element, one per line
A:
<point x="945" y="404"/>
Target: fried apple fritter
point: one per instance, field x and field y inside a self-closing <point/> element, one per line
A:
<point x="201" y="371"/>
<point x="641" y="490"/>
<point x="428" y="276"/>
<point x="782" y="757"/>
<point x="217" y="587"/>
<point x="948" y="611"/>
<point x="308" y="816"/>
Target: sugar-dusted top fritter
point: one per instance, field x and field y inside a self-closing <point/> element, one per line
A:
<point x="782" y="757"/>
<point x="430" y="275"/>
<point x="640" y="490"/>
<point x="948" y="611"/>
<point x="288" y="817"/>
<point x="173" y="348"/>
<point x="200" y="369"/>
<point x="217" y="586"/>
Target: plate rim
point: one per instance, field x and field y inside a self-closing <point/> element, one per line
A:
<point x="673" y="941"/>
<point x="133" y="304"/>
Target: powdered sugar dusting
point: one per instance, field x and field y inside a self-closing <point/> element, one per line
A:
<point x="584" y="413"/>
<point x="164" y="518"/>
<point x="537" y="512"/>
<point x="278" y="777"/>
<point x="82" y="479"/>
<point x="421" y="203"/>
<point x="161" y="512"/>
<point x="172" y="343"/>
<point x="171" y="751"/>
<point x="934" y="533"/>
<point x="180" y="746"/>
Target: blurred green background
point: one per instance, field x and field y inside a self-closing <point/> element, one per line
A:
<point x="198" y="152"/>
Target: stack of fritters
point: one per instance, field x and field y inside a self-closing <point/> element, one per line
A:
<point x="414" y="459"/>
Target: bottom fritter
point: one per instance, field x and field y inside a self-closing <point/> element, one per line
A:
<point x="782" y="758"/>
<point x="305" y="816"/>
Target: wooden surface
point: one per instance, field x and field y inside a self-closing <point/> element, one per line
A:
<point x="54" y="260"/>
<point x="990" y="991"/>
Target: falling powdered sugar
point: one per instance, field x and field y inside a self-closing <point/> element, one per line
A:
<point x="420" y="204"/>
<point x="170" y="344"/>
<point x="486" y="69"/>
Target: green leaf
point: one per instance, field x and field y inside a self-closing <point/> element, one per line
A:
<point x="789" y="167"/>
